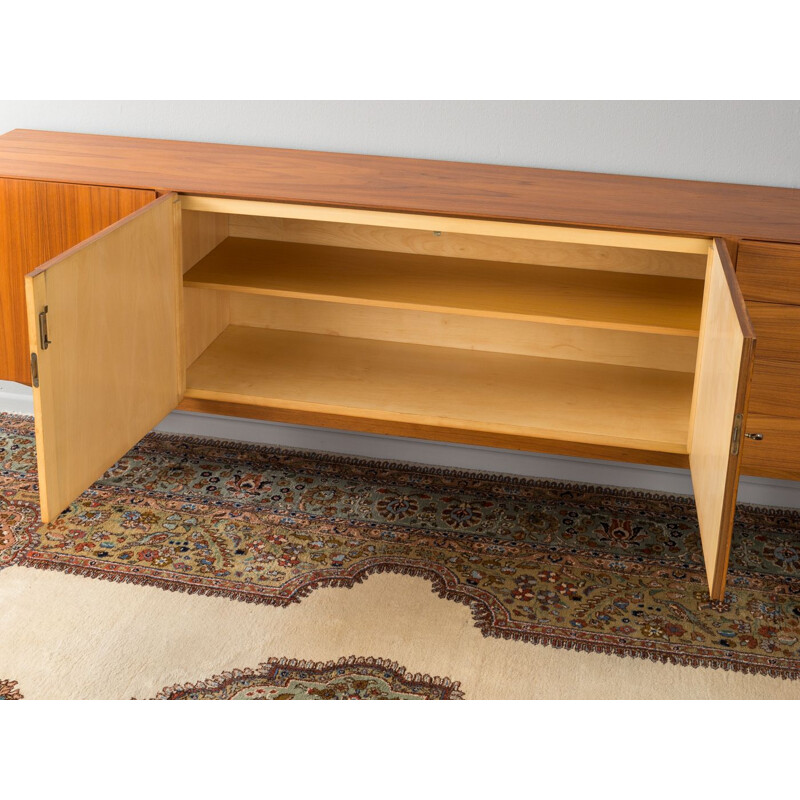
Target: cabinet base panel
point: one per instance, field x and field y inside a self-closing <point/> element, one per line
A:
<point x="435" y="433"/>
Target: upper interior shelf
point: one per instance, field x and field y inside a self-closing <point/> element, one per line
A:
<point x="592" y="298"/>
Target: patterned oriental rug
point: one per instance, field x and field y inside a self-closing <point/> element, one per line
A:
<point x="576" y="567"/>
<point x="348" y="679"/>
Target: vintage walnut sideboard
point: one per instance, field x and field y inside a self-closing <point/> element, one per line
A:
<point x="560" y="312"/>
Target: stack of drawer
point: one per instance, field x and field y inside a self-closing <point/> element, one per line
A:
<point x="769" y="275"/>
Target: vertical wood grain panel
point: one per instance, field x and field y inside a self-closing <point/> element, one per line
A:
<point x="38" y="221"/>
<point x="200" y="234"/>
<point x="724" y="364"/>
<point x="112" y="369"/>
<point x="206" y="314"/>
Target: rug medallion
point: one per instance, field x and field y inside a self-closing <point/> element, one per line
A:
<point x="346" y="679"/>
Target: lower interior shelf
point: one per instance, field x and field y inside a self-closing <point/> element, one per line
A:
<point x="546" y="398"/>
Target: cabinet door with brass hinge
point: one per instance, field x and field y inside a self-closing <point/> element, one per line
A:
<point x="719" y="410"/>
<point x="106" y="342"/>
<point x="39" y="220"/>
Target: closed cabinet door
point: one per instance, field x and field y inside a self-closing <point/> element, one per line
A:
<point x="106" y="340"/>
<point x="719" y="410"/>
<point x="38" y="221"/>
<point x="769" y="273"/>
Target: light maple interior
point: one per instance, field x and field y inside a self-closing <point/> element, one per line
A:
<point x="588" y="341"/>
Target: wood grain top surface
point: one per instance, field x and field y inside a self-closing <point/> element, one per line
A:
<point x="406" y="184"/>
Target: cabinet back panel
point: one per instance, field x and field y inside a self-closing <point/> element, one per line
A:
<point x="624" y="348"/>
<point x="473" y="246"/>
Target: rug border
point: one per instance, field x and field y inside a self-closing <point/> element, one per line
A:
<point x="483" y="613"/>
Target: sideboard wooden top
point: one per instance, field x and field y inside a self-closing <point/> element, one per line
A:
<point x="406" y="184"/>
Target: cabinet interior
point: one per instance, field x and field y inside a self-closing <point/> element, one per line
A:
<point x="545" y="333"/>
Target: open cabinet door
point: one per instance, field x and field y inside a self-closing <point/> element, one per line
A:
<point x="724" y="367"/>
<point x="105" y="333"/>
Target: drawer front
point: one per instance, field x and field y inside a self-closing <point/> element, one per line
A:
<point x="777" y="331"/>
<point x="775" y="389"/>
<point x="777" y="455"/>
<point x="769" y="272"/>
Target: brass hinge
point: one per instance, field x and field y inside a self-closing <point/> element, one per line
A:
<point x="737" y="435"/>
<point x="34" y="371"/>
<point x="44" y="342"/>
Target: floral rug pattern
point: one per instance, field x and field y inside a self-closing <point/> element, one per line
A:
<point x="346" y="679"/>
<point x="9" y="691"/>
<point x="574" y="566"/>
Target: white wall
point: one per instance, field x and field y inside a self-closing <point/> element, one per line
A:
<point x="735" y="142"/>
<point x="739" y="142"/>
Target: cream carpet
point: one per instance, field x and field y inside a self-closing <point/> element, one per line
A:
<point x="64" y="636"/>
